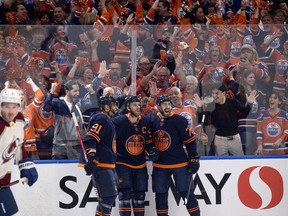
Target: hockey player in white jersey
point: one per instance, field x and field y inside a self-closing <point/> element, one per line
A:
<point x="12" y="148"/>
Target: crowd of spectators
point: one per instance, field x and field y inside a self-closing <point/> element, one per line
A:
<point x="183" y="48"/>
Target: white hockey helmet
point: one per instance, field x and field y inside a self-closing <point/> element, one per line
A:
<point x="9" y="95"/>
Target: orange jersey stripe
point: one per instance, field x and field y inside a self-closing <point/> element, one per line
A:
<point x="170" y="166"/>
<point x="132" y="166"/>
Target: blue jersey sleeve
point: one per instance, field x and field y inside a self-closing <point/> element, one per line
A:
<point x="188" y="138"/>
<point x="95" y="132"/>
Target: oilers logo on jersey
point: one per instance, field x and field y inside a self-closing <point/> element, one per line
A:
<point x="40" y="64"/>
<point x="249" y="40"/>
<point x="275" y="43"/>
<point x="27" y="123"/>
<point x="217" y="74"/>
<point x="192" y="103"/>
<point x="189" y="118"/>
<point x="118" y="91"/>
<point x="235" y="50"/>
<point x="61" y="56"/>
<point x="162" y="140"/>
<point x="282" y="66"/>
<point x="254" y="107"/>
<point x="135" y="144"/>
<point x="273" y="129"/>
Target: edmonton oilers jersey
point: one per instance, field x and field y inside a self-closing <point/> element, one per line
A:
<point x="132" y="140"/>
<point x="101" y="136"/>
<point x="169" y="136"/>
<point x="270" y="128"/>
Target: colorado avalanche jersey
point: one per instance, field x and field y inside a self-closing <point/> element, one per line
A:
<point x="11" y="146"/>
<point x="132" y="140"/>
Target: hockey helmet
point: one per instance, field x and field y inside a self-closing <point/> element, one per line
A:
<point x="9" y="95"/>
<point x="131" y="99"/>
<point x="163" y="98"/>
<point x="107" y="100"/>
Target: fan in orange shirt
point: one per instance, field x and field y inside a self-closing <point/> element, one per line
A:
<point x="60" y="48"/>
<point x="213" y="72"/>
<point x="144" y="68"/>
<point x="179" y="108"/>
<point x="187" y="111"/>
<point x="114" y="80"/>
<point x="272" y="128"/>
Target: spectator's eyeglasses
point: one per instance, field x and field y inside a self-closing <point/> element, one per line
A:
<point x="144" y="63"/>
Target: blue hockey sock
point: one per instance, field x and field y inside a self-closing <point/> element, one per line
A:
<point x="138" y="203"/>
<point x="192" y="204"/>
<point x="162" y="204"/>
<point x="125" y="202"/>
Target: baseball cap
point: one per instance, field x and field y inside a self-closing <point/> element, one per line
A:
<point x="247" y="46"/>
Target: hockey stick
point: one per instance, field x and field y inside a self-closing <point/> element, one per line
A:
<point x="191" y="180"/>
<point x="98" y="196"/>
<point x="79" y="135"/>
<point x="23" y="180"/>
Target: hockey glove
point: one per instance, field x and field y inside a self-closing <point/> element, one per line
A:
<point x="28" y="170"/>
<point x="91" y="164"/>
<point x="153" y="154"/>
<point x="193" y="165"/>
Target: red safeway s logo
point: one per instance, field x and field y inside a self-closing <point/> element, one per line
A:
<point x="248" y="192"/>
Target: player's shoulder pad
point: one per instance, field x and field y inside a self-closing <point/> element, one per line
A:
<point x="99" y="118"/>
<point x="178" y="117"/>
<point x="118" y="119"/>
<point x="179" y="120"/>
<point x="145" y="120"/>
<point x="152" y="116"/>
